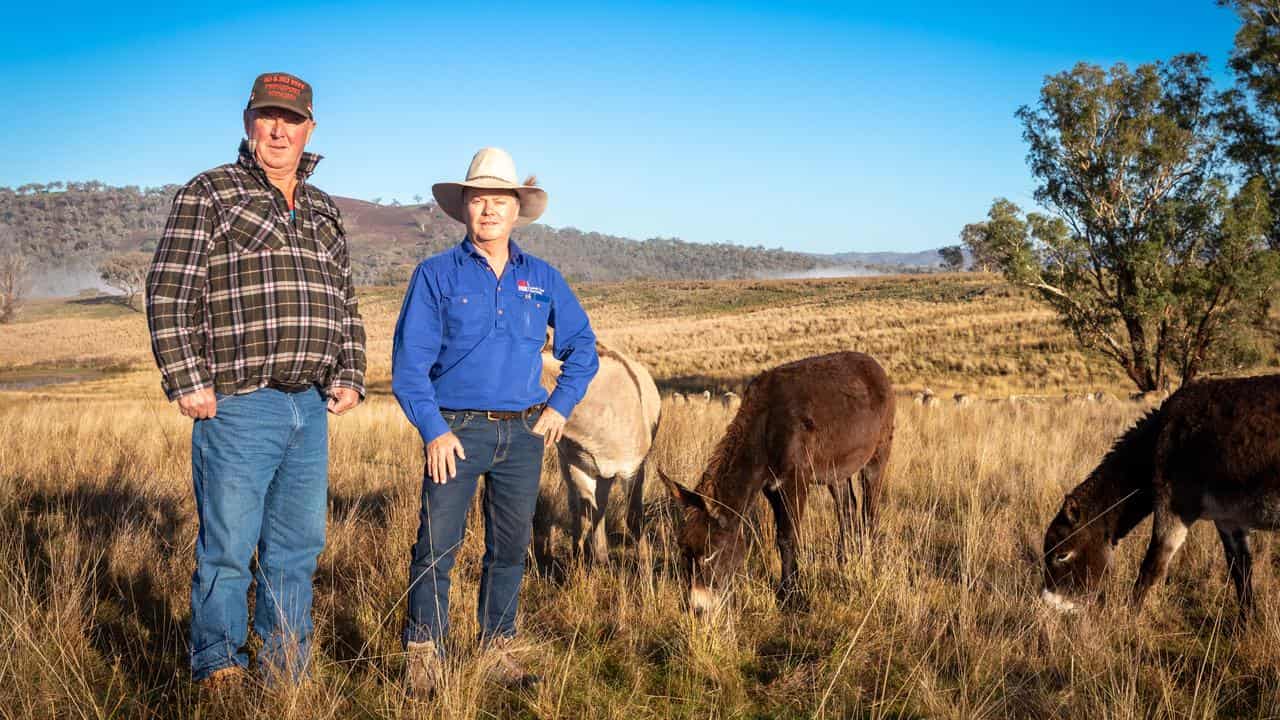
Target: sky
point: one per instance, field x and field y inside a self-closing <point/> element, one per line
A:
<point x="813" y="127"/>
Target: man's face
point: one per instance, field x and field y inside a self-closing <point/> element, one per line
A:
<point x="491" y="214"/>
<point x="279" y="136"/>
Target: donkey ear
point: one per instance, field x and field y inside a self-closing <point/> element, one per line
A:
<point x="1071" y="510"/>
<point x="682" y="495"/>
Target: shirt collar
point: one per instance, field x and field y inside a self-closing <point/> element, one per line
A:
<point x="469" y="248"/>
<point x="306" y="165"/>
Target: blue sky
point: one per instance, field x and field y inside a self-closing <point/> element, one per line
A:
<point x="814" y="127"/>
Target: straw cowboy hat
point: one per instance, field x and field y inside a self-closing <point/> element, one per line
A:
<point x="491" y="169"/>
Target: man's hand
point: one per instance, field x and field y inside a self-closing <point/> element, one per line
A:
<point x="342" y="399"/>
<point x="550" y="426"/>
<point x="199" y="405"/>
<point x="441" y="465"/>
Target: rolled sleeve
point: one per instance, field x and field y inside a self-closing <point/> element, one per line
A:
<point x="574" y="345"/>
<point x="175" y="291"/>
<point x="414" y="350"/>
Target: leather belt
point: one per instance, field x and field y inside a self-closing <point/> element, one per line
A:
<point x="293" y="388"/>
<point x="495" y="415"/>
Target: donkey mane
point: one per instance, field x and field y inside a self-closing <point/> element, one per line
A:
<point x="1120" y="486"/>
<point x="731" y="446"/>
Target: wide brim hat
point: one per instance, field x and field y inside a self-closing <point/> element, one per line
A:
<point x="491" y="169"/>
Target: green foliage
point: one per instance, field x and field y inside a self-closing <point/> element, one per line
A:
<point x="1251" y="115"/>
<point x="1206" y="274"/>
<point x="952" y="257"/>
<point x="1147" y="257"/>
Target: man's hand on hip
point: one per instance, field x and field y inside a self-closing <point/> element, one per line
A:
<point x="199" y="405"/>
<point x="342" y="399"/>
<point x="550" y="426"/>
<point x="441" y="452"/>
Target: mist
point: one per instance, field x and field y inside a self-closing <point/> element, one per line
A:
<point x="65" y="282"/>
<point x="835" y="271"/>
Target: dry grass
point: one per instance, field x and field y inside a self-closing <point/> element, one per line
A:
<point x="937" y="619"/>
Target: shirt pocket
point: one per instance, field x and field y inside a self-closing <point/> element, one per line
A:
<point x="329" y="237"/>
<point x="465" y="316"/>
<point x="532" y="325"/>
<point x="252" y="226"/>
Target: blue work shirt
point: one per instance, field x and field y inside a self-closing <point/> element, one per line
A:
<point x="468" y="340"/>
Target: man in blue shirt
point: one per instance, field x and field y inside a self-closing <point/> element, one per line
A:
<point x="466" y="369"/>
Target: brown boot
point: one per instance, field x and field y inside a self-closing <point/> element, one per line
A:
<point x="423" y="670"/>
<point x="507" y="669"/>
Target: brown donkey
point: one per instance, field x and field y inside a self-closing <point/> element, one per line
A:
<point x="821" y="420"/>
<point x="1212" y="452"/>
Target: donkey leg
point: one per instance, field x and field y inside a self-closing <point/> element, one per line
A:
<point x="1235" y="543"/>
<point x="543" y="518"/>
<point x="599" y="540"/>
<point x="787" y="503"/>
<point x="873" y="476"/>
<point x="1167" y="535"/>
<point x="576" y="498"/>
<point x="843" y="501"/>
<point x="635" y="505"/>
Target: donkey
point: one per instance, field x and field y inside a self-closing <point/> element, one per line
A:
<point x="821" y="420"/>
<point x="606" y="440"/>
<point x="1212" y="452"/>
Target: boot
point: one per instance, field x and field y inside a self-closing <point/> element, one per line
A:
<point x="507" y="669"/>
<point x="423" y="671"/>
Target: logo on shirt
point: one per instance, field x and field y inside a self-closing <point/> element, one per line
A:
<point x="524" y="287"/>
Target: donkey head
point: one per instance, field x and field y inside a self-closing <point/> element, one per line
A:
<point x="1076" y="555"/>
<point x="712" y="545"/>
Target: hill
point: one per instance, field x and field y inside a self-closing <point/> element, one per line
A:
<point x="66" y="228"/>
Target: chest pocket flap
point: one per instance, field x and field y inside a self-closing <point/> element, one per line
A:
<point x="253" y="226"/>
<point x="466" y="316"/>
<point x="329" y="234"/>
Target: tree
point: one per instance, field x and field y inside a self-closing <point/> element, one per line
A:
<point x="985" y="239"/>
<point x="126" y="272"/>
<point x="952" y="257"/>
<point x="1123" y="159"/>
<point x="1252" y="108"/>
<point x="15" y="282"/>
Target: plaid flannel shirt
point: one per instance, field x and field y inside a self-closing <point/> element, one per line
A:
<point x="239" y="294"/>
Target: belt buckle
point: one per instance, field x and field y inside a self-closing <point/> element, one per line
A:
<point x="489" y="414"/>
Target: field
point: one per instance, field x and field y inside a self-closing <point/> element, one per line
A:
<point x="938" y="618"/>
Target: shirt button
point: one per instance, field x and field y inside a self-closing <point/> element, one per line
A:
<point x="464" y="301"/>
<point x="499" y="312"/>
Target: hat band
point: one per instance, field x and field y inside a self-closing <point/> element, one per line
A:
<point x="490" y="177"/>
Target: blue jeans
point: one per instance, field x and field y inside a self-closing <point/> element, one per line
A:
<point x="509" y="455"/>
<point x="260" y="469"/>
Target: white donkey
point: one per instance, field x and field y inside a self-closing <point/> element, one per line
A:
<point x="606" y="440"/>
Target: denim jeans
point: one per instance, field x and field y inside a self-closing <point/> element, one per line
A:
<point x="509" y="455"/>
<point x="260" y="470"/>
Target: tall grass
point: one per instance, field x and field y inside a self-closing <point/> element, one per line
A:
<point x="938" y="618"/>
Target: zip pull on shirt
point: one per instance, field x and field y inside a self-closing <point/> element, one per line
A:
<point x="470" y="339"/>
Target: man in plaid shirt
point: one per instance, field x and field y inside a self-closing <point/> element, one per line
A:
<point x="256" y="332"/>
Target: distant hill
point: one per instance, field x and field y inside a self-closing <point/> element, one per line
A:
<point x="66" y="228"/>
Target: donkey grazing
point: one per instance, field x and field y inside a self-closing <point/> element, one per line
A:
<point x="821" y="420"/>
<point x="1212" y="452"/>
<point x="607" y="439"/>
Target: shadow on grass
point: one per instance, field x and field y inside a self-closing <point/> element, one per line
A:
<point x="134" y="626"/>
